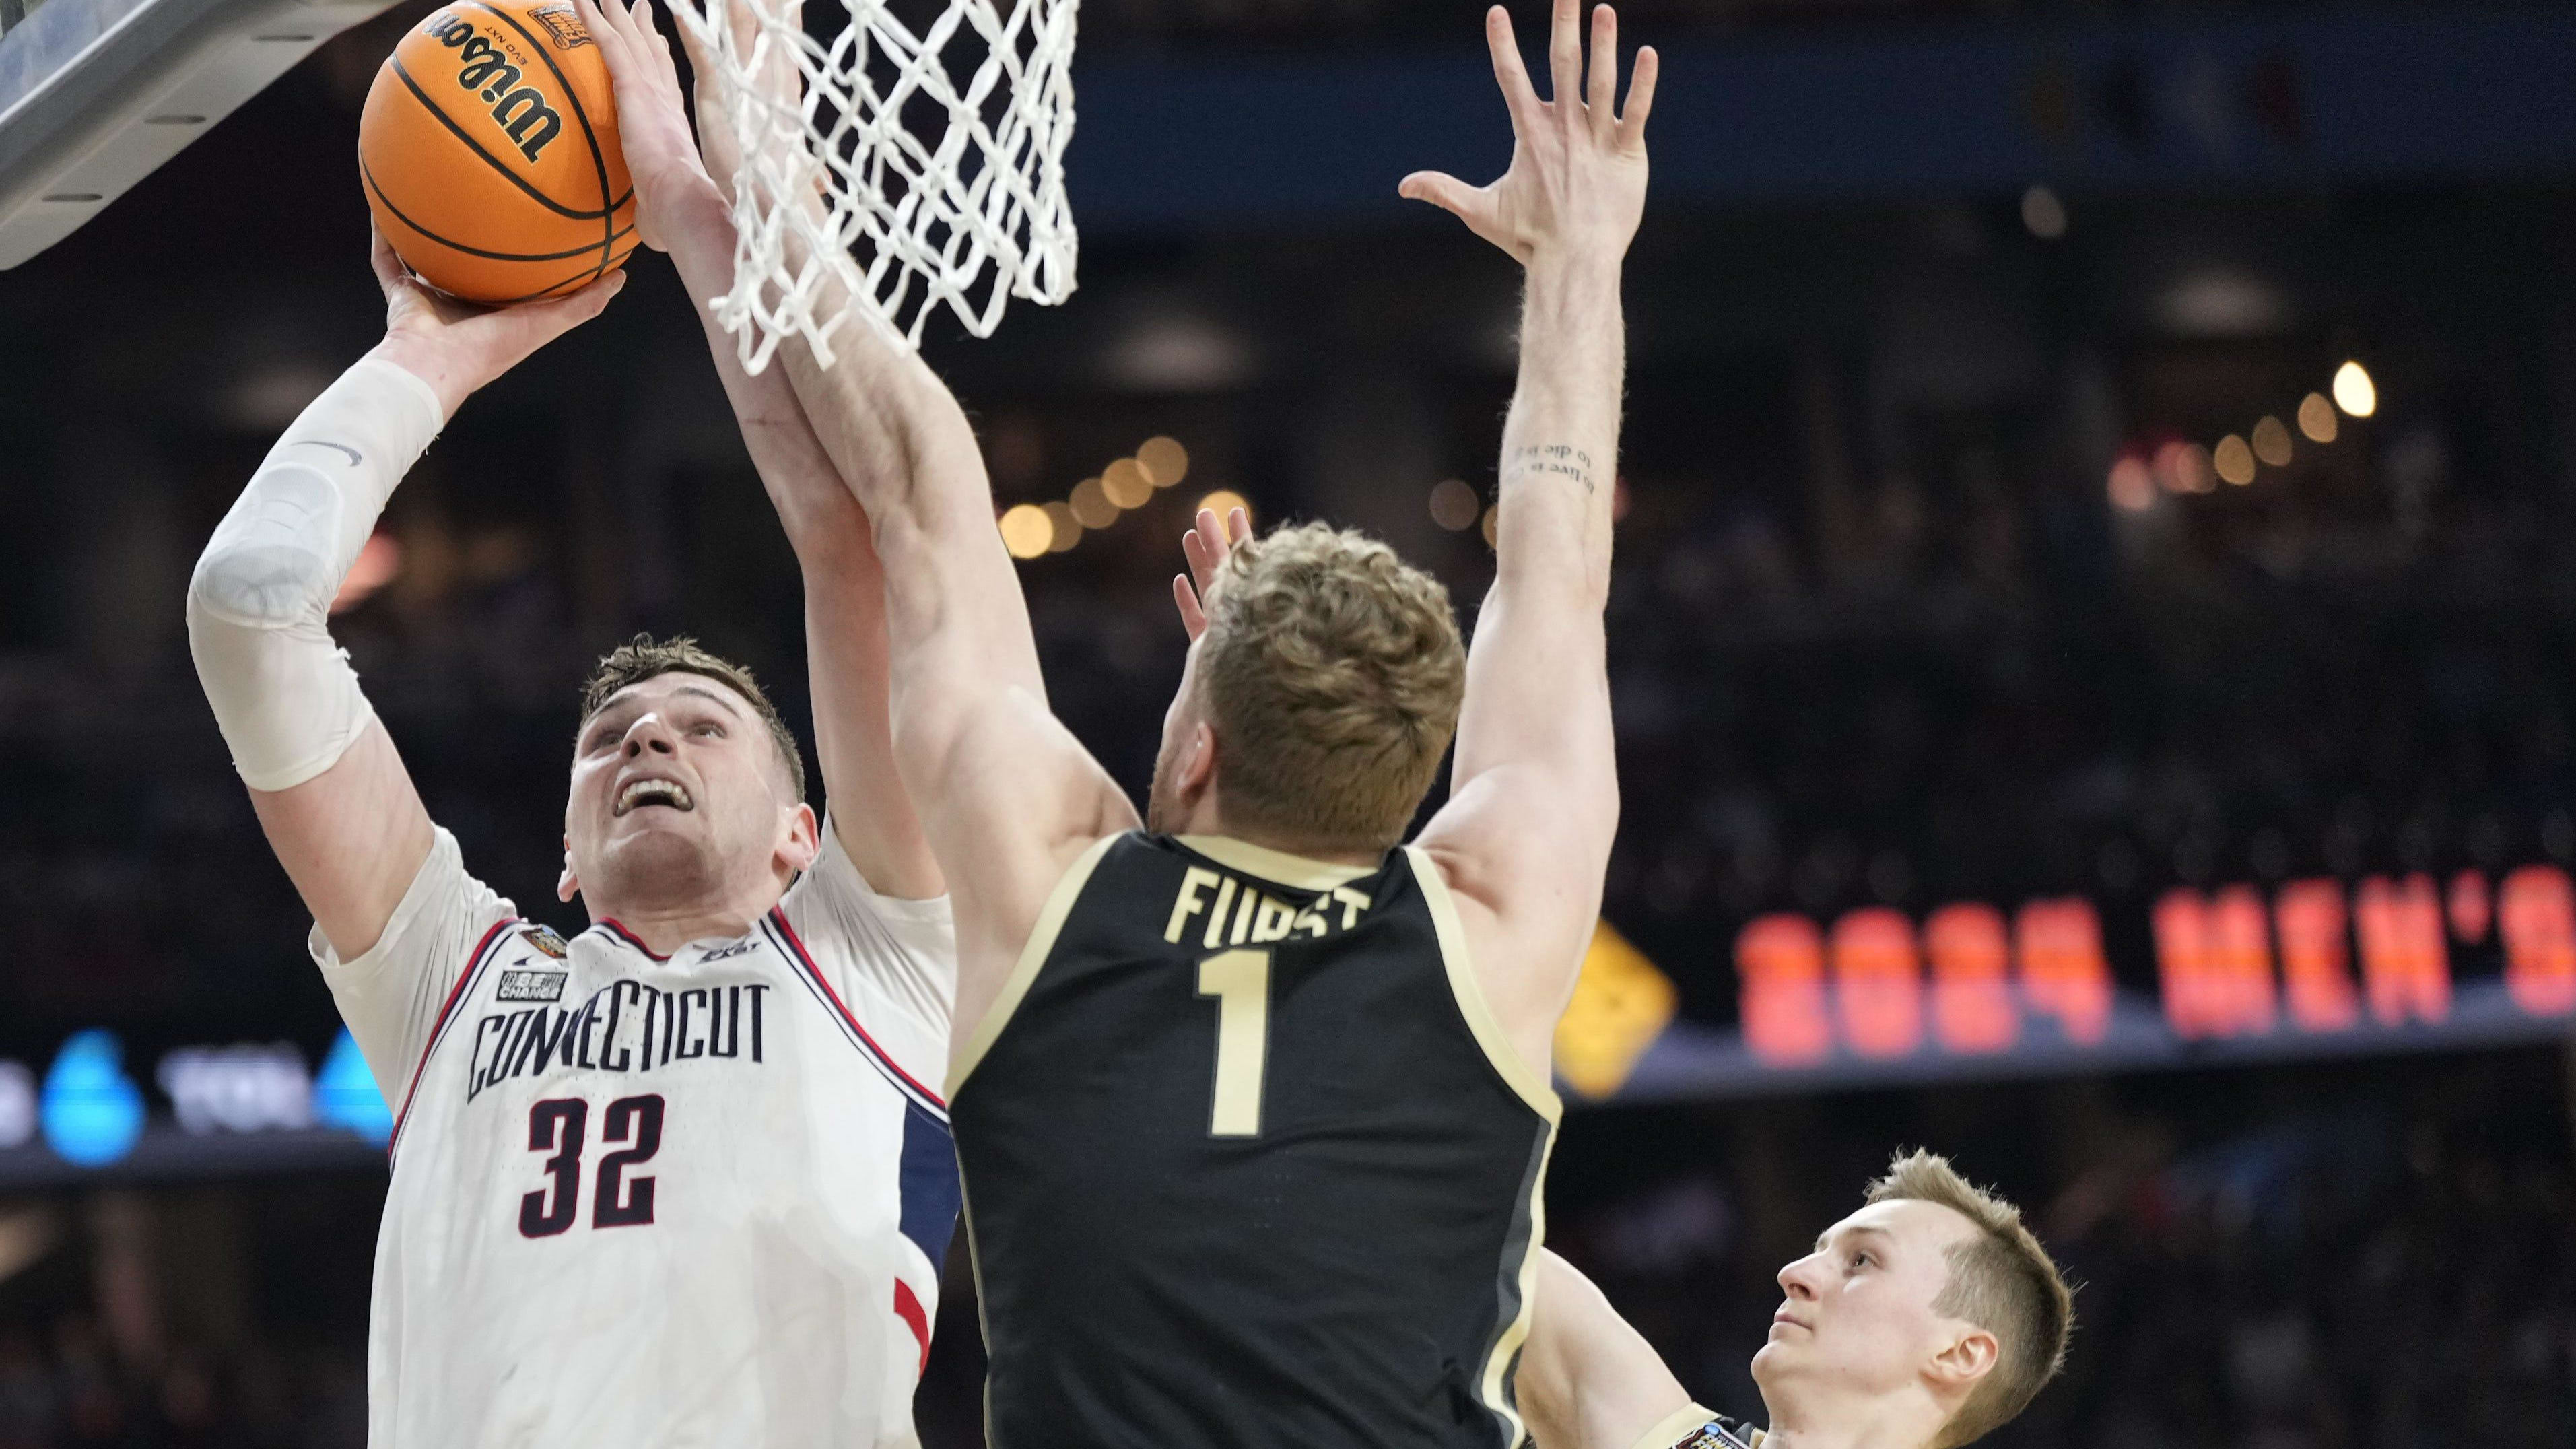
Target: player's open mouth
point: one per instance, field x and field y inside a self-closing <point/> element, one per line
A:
<point x="653" y="792"/>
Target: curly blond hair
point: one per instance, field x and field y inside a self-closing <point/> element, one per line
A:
<point x="1332" y="673"/>
<point x="2001" y="1280"/>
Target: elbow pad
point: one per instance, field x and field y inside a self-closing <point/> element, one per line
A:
<point x="259" y="602"/>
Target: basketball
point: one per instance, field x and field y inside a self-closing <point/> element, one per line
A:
<point x="488" y="149"/>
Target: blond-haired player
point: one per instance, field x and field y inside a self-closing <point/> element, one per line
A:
<point x="1927" y="1319"/>
<point x="1252" y="1101"/>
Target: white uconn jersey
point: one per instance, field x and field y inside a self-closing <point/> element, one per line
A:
<point x="648" y="1202"/>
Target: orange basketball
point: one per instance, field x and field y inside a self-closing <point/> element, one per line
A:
<point x="489" y="152"/>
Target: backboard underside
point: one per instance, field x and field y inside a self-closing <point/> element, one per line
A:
<point x="95" y="94"/>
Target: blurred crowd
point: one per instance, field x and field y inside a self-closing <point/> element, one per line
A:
<point x="2320" y="1257"/>
<point x="60" y="1388"/>
<point x="1985" y="681"/>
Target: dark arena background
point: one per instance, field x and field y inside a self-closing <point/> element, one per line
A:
<point x="2093" y="645"/>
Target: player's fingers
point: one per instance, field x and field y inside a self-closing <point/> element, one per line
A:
<point x="1446" y="192"/>
<point x="1565" y="53"/>
<point x="1193" y="618"/>
<point x="387" y="266"/>
<point x="1519" y="96"/>
<point x="591" y="300"/>
<point x="694" y="45"/>
<point x="607" y="27"/>
<point x="1238" y="526"/>
<point x="1641" y="100"/>
<point x="606" y="22"/>
<point x="602" y="33"/>
<point x="1212" y="546"/>
<point x="1194" y="548"/>
<point x="645" y="27"/>
<point x="1601" y="80"/>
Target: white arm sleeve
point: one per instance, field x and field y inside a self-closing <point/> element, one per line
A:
<point x="893" y="961"/>
<point x="259" y="603"/>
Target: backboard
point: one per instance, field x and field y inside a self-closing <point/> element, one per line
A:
<point x="94" y="94"/>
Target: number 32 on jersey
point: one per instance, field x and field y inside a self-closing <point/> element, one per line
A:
<point x="557" y="1125"/>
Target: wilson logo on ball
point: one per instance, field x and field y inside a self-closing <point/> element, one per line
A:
<point x="520" y="111"/>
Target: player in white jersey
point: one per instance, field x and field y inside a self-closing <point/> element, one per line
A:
<point x="676" y="1181"/>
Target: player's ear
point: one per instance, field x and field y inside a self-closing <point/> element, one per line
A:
<point x="1198" y="761"/>
<point x="1968" y="1357"/>
<point x="804" y="838"/>
<point x="567" y="885"/>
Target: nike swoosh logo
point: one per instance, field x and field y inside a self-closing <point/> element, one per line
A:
<point x="354" y="459"/>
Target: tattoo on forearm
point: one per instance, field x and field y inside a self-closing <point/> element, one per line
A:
<point x="1561" y="459"/>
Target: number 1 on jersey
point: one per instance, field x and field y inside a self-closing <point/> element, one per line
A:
<point x="1240" y="982"/>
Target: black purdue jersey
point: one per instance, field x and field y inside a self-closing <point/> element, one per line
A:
<point x="1248" y="1161"/>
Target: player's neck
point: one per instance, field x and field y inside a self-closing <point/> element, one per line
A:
<point x="1328" y="854"/>
<point x="1206" y="818"/>
<point x="664" y="929"/>
<point x="1851" y="1424"/>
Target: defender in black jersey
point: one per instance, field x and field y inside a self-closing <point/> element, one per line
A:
<point x="1248" y="1162"/>
<point x="1253" y="1110"/>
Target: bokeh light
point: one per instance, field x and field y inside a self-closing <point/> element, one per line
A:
<point x="2233" y="460"/>
<point x="1453" y="505"/>
<point x="1064" y="530"/>
<point x="2317" y="418"/>
<point x="2043" y="213"/>
<point x="2133" y="483"/>
<point x="2272" y="443"/>
<point x="1223" y="502"/>
<point x="2354" y="392"/>
<point x="1493" y="527"/>
<point x="1164" y="460"/>
<point x="2185" y="468"/>
<point x="1126" y="483"/>
<point x="1091" y="504"/>
<point x="1026" y="531"/>
<point x="378" y="563"/>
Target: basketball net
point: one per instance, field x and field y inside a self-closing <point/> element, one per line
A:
<point x="843" y="207"/>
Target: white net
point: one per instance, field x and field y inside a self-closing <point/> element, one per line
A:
<point x="890" y="170"/>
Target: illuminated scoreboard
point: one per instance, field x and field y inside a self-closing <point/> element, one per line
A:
<point x="1878" y="996"/>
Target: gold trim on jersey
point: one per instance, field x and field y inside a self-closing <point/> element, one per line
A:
<point x="1495" y="1381"/>
<point x="1276" y="866"/>
<point x="975" y="1271"/>
<point x="1531" y="1084"/>
<point x="1675" y="1430"/>
<point x="1024" y="973"/>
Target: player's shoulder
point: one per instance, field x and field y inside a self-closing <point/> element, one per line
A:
<point x="835" y="886"/>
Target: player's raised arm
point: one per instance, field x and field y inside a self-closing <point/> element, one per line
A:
<point x="681" y="209"/>
<point x="1009" y="798"/>
<point x="332" y="795"/>
<point x="1534" y="793"/>
<point x="1588" y="1379"/>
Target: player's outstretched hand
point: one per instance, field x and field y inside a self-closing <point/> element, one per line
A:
<point x="778" y="82"/>
<point x="652" y="126"/>
<point x="1205" y="546"/>
<point x="1577" y="182"/>
<point x="456" y="347"/>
